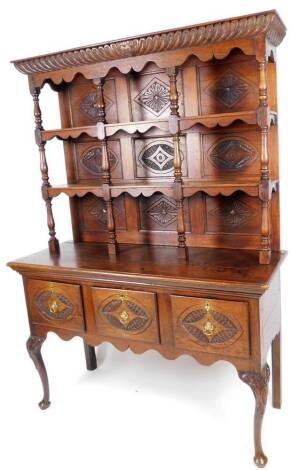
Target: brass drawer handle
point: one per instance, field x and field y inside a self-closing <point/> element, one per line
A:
<point x="54" y="307"/>
<point x="208" y="328"/>
<point x="124" y="317"/>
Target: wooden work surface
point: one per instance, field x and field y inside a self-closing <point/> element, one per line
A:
<point x="158" y="264"/>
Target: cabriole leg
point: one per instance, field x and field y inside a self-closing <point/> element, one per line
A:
<point x="258" y="382"/>
<point x="34" y="344"/>
<point x="90" y="355"/>
<point x="276" y="372"/>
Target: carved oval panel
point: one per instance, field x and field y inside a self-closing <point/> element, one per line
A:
<point x="158" y="157"/>
<point x="91" y="160"/>
<point x="232" y="154"/>
<point x="126" y="315"/>
<point x="209" y="327"/>
<point x="53" y="305"/>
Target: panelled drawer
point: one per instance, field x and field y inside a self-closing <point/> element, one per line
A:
<point x="211" y="325"/>
<point x="55" y="304"/>
<point x="126" y="314"/>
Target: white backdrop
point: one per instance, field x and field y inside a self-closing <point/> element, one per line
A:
<point x="134" y="411"/>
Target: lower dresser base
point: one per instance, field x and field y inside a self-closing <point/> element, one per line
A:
<point x="209" y="315"/>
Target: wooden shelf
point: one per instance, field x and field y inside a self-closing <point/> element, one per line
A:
<point x="69" y="133"/>
<point x="186" y="123"/>
<point x="135" y="189"/>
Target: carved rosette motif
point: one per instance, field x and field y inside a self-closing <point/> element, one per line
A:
<point x="154" y="97"/>
<point x="53" y="305"/>
<point x="268" y="24"/>
<point x="88" y="108"/>
<point x="229" y="90"/>
<point x="91" y="160"/>
<point x="233" y="212"/>
<point x="125" y="314"/>
<point x="207" y="326"/>
<point x="232" y="154"/>
<point x="163" y="211"/>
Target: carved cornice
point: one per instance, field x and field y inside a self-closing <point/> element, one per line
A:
<point x="266" y="23"/>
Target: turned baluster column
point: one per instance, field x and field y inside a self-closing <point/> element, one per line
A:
<point x="175" y="131"/>
<point x="105" y="164"/>
<point x="106" y="189"/>
<point x="100" y="103"/>
<point x="265" y="189"/>
<point x="53" y="241"/>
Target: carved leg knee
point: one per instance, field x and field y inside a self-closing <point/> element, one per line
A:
<point x="258" y="382"/>
<point x="34" y="344"/>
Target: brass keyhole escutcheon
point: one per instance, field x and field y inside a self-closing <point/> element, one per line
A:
<point x="123" y="296"/>
<point x="124" y="317"/>
<point x="208" y="328"/>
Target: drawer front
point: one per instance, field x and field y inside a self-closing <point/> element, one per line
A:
<point x="126" y="314"/>
<point x="211" y="325"/>
<point x="55" y="304"/>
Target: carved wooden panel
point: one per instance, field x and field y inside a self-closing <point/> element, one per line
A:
<point x="55" y="304"/>
<point x="89" y="159"/>
<point x="155" y="157"/>
<point x="159" y="213"/>
<point x="94" y="214"/>
<point x="234" y="214"/>
<point x="82" y="95"/>
<point x="231" y="153"/>
<point x="211" y="325"/>
<point x="228" y="86"/>
<point x="149" y="91"/>
<point x="126" y="314"/>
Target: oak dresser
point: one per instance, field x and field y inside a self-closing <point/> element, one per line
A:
<point x="171" y="153"/>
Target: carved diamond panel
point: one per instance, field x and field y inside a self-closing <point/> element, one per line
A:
<point x="53" y="305"/>
<point x="233" y="212"/>
<point x="154" y="97"/>
<point x="229" y="89"/>
<point x="92" y="160"/>
<point x="87" y="105"/>
<point x="207" y="326"/>
<point x="98" y="211"/>
<point x="163" y="211"/>
<point x="232" y="154"/>
<point x="125" y="314"/>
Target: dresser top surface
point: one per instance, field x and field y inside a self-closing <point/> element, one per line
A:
<point x="219" y="269"/>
